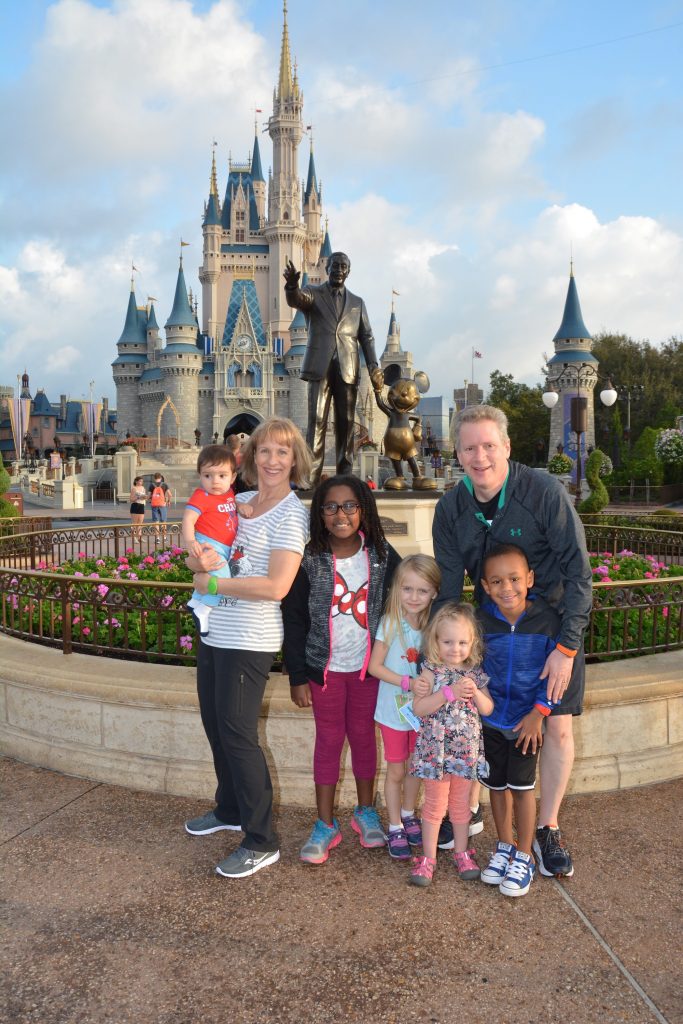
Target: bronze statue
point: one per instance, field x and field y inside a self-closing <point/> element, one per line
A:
<point x="401" y="440"/>
<point x="337" y="325"/>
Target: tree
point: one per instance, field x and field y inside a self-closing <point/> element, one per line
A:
<point x="528" y="418"/>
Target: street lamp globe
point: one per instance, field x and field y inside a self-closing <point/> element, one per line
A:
<point x="608" y="395"/>
<point x="550" y="397"/>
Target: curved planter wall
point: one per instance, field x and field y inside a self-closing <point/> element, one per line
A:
<point x="138" y="725"/>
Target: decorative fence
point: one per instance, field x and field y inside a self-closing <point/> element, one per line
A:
<point x="148" y="620"/>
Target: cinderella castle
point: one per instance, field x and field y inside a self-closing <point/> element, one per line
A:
<point x="244" y="362"/>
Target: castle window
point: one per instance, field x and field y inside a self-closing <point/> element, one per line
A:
<point x="239" y="234"/>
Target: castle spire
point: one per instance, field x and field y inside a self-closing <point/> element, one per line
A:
<point x="285" y="85"/>
<point x="256" y="172"/>
<point x="312" y="181"/>
<point x="181" y="314"/>
<point x="213" y="185"/>
<point x="572" y="325"/>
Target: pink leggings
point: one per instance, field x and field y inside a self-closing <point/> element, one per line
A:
<point x="452" y="793"/>
<point x="345" y="707"/>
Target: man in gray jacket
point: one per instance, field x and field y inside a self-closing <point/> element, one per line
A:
<point x="337" y="324"/>
<point x="503" y="502"/>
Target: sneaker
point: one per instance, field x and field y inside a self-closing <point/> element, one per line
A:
<point x="466" y="865"/>
<point x="422" y="871"/>
<point x="365" y="821"/>
<point x="413" y="829"/>
<point x="519" y="875"/>
<point x="476" y="822"/>
<point x="445" y="840"/>
<point x="208" y="823"/>
<point x="322" y="839"/>
<point x="243" y="862"/>
<point x="495" y="871"/>
<point x="553" y="856"/>
<point x="399" y="847"/>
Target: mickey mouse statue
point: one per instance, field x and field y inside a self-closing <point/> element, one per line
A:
<point x="401" y="440"/>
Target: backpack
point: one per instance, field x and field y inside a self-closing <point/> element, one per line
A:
<point x="158" y="496"/>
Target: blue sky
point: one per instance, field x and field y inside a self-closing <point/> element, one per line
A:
<point x="464" y="149"/>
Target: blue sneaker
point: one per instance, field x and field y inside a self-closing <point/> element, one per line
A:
<point x="413" y="829"/>
<point x="519" y="875"/>
<point x="322" y="839"/>
<point x="397" y="842"/>
<point x="497" y="867"/>
<point x="365" y="821"/>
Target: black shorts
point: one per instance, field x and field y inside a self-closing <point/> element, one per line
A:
<point x="509" y="768"/>
<point x="137" y="508"/>
<point x="572" y="702"/>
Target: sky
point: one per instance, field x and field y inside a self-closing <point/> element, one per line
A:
<point x="467" y="151"/>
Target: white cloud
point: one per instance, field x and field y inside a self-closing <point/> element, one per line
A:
<point x="62" y="359"/>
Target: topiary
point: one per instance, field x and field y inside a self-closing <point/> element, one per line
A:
<point x="560" y="464"/>
<point x="7" y="509"/>
<point x="598" y="497"/>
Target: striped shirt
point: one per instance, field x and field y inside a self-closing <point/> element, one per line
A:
<point x="257" y="625"/>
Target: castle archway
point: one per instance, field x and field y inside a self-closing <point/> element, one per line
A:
<point x="244" y="423"/>
<point x="168" y="404"/>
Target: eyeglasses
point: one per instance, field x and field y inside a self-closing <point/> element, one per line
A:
<point x="348" y="507"/>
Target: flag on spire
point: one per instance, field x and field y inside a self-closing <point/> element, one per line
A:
<point x="476" y="355"/>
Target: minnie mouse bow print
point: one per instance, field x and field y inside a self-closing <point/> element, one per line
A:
<point x="350" y="602"/>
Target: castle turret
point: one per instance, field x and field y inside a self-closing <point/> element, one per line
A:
<point x="209" y="272"/>
<point x="285" y="231"/>
<point x="180" y="363"/>
<point x="258" y="182"/>
<point x="129" y="366"/>
<point x="312" y="212"/>
<point x="573" y="371"/>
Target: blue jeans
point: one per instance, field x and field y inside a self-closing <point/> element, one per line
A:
<point x="222" y="573"/>
<point x="159" y="513"/>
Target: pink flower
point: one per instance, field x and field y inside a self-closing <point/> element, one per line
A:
<point x="94" y="575"/>
<point x="76" y="620"/>
<point x="42" y="565"/>
<point x="665" y="611"/>
<point x="78" y="574"/>
<point x="148" y="560"/>
<point x="82" y="554"/>
<point x="86" y="631"/>
<point x="103" y="590"/>
<point x="132" y="576"/>
<point x="100" y="562"/>
<point x="130" y="551"/>
<point x="177" y="551"/>
<point x="76" y="606"/>
<point x="649" y="575"/>
<point x="166" y="601"/>
<point x="186" y="643"/>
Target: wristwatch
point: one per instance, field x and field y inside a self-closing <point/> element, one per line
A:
<point x="405" y="683"/>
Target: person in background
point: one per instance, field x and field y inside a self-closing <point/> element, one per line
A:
<point x="159" y="499"/>
<point x="137" y="507"/>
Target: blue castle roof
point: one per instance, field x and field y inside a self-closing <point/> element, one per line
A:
<point x="42" y="406"/>
<point x="212" y="216"/>
<point x="151" y="373"/>
<point x="256" y="172"/>
<point x="572" y="325"/>
<point x="312" y="181"/>
<point x="134" y="328"/>
<point x="235" y="179"/>
<point x="181" y="314"/>
<point x="130" y="357"/>
<point x="326" y="247"/>
<point x="152" y="324"/>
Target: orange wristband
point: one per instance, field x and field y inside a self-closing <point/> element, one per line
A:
<point x="543" y="709"/>
<point x="565" y="650"/>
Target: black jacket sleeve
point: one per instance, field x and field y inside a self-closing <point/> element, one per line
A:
<point x="447" y="551"/>
<point x="297" y="623"/>
<point x="393" y="562"/>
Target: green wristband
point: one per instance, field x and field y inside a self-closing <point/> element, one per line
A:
<point x="212" y="586"/>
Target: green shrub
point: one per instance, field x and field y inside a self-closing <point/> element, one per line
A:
<point x="598" y="497"/>
<point x="560" y="464"/>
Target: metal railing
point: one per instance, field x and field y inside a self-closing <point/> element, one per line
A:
<point x="148" y="619"/>
<point x="665" y="545"/>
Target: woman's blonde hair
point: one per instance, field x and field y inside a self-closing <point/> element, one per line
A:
<point x="287" y="433"/>
<point x="426" y="568"/>
<point x="451" y="612"/>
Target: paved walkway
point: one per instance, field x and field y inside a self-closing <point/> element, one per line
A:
<point x="114" y="914"/>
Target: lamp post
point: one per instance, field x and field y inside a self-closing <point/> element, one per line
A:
<point x="578" y="416"/>
<point x="628" y="393"/>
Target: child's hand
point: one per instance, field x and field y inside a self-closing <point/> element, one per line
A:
<point x="464" y="689"/>
<point x="194" y="549"/>
<point x="244" y="510"/>
<point x="301" y="695"/>
<point x="530" y="731"/>
<point x="423" y="685"/>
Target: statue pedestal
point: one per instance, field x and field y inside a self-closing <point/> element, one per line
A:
<point x="407" y="520"/>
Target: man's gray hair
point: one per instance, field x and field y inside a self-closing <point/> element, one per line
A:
<point x="477" y="413"/>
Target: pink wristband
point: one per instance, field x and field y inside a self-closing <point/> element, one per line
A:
<point x="405" y="683"/>
<point x="448" y="693"/>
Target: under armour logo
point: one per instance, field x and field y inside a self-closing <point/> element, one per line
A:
<point x="516" y="532"/>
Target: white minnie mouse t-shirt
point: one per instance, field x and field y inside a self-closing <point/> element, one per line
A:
<point x="350" y="613"/>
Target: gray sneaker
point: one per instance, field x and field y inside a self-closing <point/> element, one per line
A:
<point x="244" y="862"/>
<point x="365" y="821"/>
<point x="208" y="823"/>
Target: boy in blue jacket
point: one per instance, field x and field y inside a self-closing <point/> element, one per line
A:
<point x="520" y="630"/>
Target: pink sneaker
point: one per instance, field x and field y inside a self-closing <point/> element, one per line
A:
<point x="422" y="870"/>
<point x="466" y="865"/>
